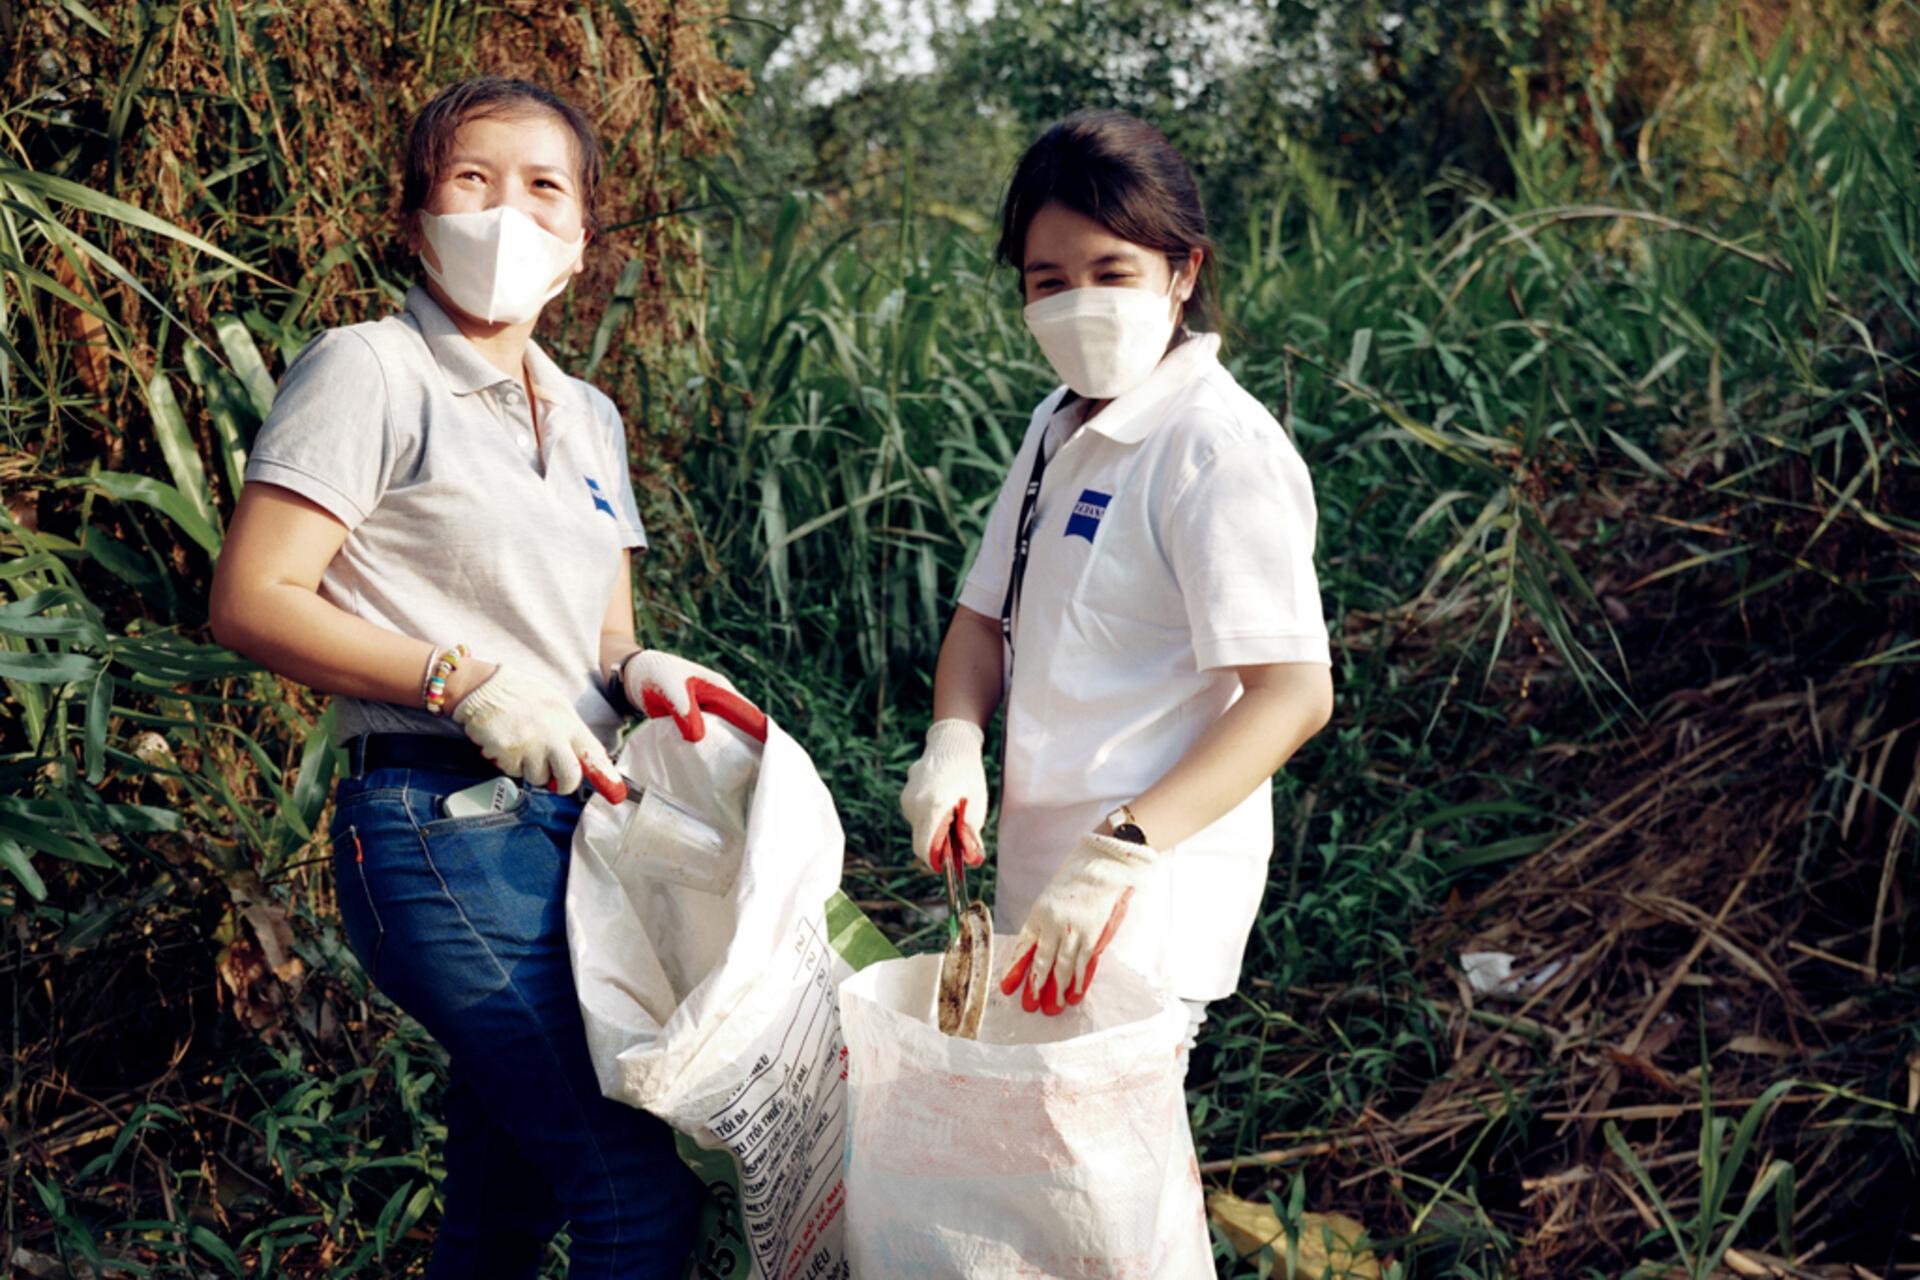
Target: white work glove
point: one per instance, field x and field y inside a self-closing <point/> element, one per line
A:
<point x="664" y="684"/>
<point x="946" y="785"/>
<point x="530" y="730"/>
<point x="1073" y="920"/>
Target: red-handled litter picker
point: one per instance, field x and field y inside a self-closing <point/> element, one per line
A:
<point x="960" y="999"/>
<point x="707" y="698"/>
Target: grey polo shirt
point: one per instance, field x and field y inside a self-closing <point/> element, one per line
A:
<point x="460" y="528"/>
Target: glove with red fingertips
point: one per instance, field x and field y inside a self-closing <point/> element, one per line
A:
<point x="664" y="684"/>
<point x="611" y="786"/>
<point x="947" y="782"/>
<point x="532" y="731"/>
<point x="958" y="836"/>
<point x="1073" y="920"/>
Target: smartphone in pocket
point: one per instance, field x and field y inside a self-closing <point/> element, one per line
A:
<point x="493" y="796"/>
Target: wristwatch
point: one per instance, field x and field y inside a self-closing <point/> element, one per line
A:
<point x="1124" y="827"/>
<point x="615" y="690"/>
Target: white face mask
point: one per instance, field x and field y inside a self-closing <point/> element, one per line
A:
<point x="1103" y="342"/>
<point x="498" y="265"/>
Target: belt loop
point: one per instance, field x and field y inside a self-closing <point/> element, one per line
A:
<point x="357" y="756"/>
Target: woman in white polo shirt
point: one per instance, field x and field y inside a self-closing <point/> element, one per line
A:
<point x="1144" y="599"/>
<point x="436" y="528"/>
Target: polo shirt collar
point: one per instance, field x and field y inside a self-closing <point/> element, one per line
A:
<point x="465" y="368"/>
<point x="554" y="386"/>
<point x="1128" y="418"/>
<point x="468" y="371"/>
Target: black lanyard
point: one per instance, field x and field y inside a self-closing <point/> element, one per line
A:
<point x="1023" y="541"/>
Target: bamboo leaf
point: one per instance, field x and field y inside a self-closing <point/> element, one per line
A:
<point x="216" y="1248"/>
<point x="25" y="617"/>
<point x="15" y="859"/>
<point x="416" y="1209"/>
<point x="137" y="818"/>
<point x="1477" y="809"/>
<point x="294" y="823"/>
<point x="1660" y="368"/>
<point x="162" y="497"/>
<point x="177" y="446"/>
<point x="225" y="403"/>
<point x="1783" y="1198"/>
<point x="248" y="365"/>
<point x="47" y="668"/>
<point x="87" y="16"/>
<point x="138" y="1120"/>
<point x="1498" y="851"/>
<point x="99" y="706"/>
<point x="87" y="200"/>
<point x="317" y="761"/>
<point x="1639" y="455"/>
<point x="1357" y="354"/>
<point x="174" y="660"/>
<point x="42" y="837"/>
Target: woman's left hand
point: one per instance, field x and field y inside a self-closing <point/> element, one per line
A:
<point x="1073" y="920"/>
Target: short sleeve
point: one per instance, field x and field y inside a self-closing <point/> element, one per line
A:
<point x="328" y="436"/>
<point x="986" y="586"/>
<point x="1240" y="536"/>
<point x="633" y="534"/>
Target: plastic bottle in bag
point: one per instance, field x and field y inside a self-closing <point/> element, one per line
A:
<point x="664" y="839"/>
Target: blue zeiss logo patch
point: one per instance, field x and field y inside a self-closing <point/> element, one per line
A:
<point x="1085" y="520"/>
<point x="600" y="502"/>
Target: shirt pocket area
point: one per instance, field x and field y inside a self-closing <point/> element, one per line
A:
<point x="1130" y="581"/>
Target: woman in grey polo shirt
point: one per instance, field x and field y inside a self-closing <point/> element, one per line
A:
<point x="436" y="528"/>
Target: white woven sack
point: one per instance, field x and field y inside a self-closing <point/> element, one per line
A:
<point x="715" y="1011"/>
<point x="1049" y="1147"/>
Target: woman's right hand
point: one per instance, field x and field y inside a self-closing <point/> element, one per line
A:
<point x="529" y="729"/>
<point x="947" y="791"/>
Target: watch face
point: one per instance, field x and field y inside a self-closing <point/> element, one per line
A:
<point x="1130" y="833"/>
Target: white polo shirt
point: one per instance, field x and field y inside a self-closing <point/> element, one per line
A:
<point x="460" y="528"/>
<point x="1173" y="541"/>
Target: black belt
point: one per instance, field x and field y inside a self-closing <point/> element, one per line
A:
<point x="442" y="753"/>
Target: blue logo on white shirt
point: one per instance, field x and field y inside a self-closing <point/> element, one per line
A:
<point x="1085" y="520"/>
<point x="600" y="502"/>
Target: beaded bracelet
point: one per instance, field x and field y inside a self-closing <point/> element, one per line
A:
<point x="426" y="672"/>
<point x="443" y="667"/>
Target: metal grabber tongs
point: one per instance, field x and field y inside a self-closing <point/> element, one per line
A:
<point x="967" y="966"/>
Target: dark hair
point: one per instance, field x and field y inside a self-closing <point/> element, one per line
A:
<point x="430" y="137"/>
<point x="1122" y="173"/>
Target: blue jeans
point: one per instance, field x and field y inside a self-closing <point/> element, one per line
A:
<point x="462" y="923"/>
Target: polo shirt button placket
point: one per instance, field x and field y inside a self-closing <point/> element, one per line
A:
<point x="517" y="424"/>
